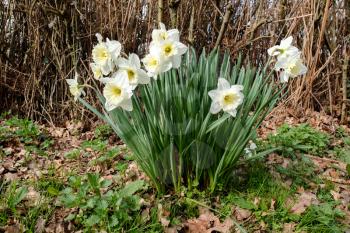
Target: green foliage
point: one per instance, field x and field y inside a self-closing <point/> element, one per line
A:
<point x="95" y="145"/>
<point x="13" y="196"/>
<point x="26" y="132"/>
<point x="301" y="138"/>
<point x="342" y="152"/>
<point x="322" y="219"/>
<point x="300" y="171"/>
<point x="10" y="196"/>
<point x="103" y="131"/>
<point x="107" y="157"/>
<point x="97" y="208"/>
<point x="72" y="154"/>
<point x="173" y="136"/>
<point x="12" y="207"/>
<point x="262" y="194"/>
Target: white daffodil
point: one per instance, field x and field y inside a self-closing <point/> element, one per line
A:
<point x="156" y="64"/>
<point x="169" y="49"/>
<point x="117" y="92"/>
<point x="226" y="97"/>
<point x="291" y="67"/>
<point x="132" y="68"/>
<point x="105" y="54"/>
<point x="96" y="70"/>
<point x="74" y="87"/>
<point x="159" y="35"/>
<point x="285" y="49"/>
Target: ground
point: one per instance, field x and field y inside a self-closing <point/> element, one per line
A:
<point x="70" y="179"/>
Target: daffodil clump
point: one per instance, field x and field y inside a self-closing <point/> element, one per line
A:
<point x="187" y="121"/>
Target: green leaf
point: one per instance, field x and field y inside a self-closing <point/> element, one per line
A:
<point x="91" y="203"/>
<point x="18" y="197"/>
<point x="113" y="221"/>
<point x="52" y="191"/>
<point x="243" y="203"/>
<point x="131" y="188"/>
<point x="94" y="182"/>
<point x="92" y="220"/>
<point x="102" y="205"/>
<point x="347" y="140"/>
<point x="69" y="200"/>
<point x="105" y="183"/>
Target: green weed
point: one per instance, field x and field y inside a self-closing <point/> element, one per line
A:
<point x="322" y="219"/>
<point x="302" y="138"/>
<point x="103" y="131"/>
<point x="26" y="132"/>
<point x="263" y="195"/>
<point x="112" y="210"/>
<point x="300" y="171"/>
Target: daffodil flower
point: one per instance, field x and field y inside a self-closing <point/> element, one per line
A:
<point x="159" y="35"/>
<point x="169" y="49"/>
<point x="291" y="67"/>
<point x="96" y="70"/>
<point x="226" y="97"/>
<point x="283" y="50"/>
<point x="132" y="68"/>
<point x="117" y="92"/>
<point x="75" y="88"/>
<point x="156" y="64"/>
<point x="105" y="54"/>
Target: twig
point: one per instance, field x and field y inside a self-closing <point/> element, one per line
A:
<point x="190" y="29"/>
<point x="227" y="17"/>
<point x="344" y="88"/>
<point x="160" y="10"/>
<point x="173" y="7"/>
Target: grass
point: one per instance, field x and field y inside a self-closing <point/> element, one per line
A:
<point x="256" y="187"/>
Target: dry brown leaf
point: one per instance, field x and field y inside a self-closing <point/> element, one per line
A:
<point x="256" y="201"/>
<point x="171" y="230"/>
<point x="336" y="195"/>
<point x="15" y="228"/>
<point x="225" y="227"/>
<point x="162" y="216"/>
<point x="32" y="197"/>
<point x="241" y="214"/>
<point x="305" y="200"/>
<point x="207" y="222"/>
<point x="272" y="204"/>
<point x="145" y="215"/>
<point x="8" y="177"/>
<point x="40" y="225"/>
<point x="289" y="227"/>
